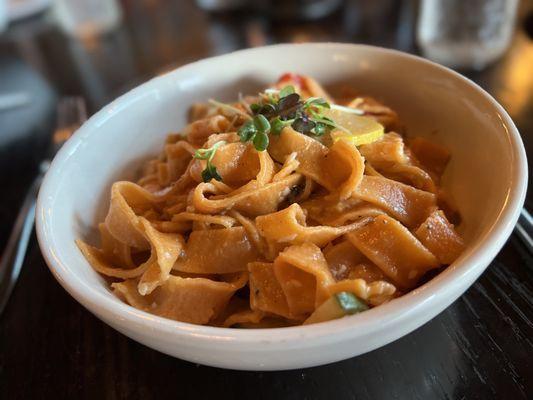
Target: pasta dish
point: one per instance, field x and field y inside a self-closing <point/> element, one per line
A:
<point x="283" y="208"/>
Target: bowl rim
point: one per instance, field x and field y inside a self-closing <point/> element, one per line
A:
<point x="436" y="291"/>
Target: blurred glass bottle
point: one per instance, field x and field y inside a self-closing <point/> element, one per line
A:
<point x="465" y="33"/>
<point x="87" y="17"/>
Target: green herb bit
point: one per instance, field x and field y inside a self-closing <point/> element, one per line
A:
<point x="286" y="90"/>
<point x="261" y="124"/>
<point x="256" y="131"/>
<point x="320" y="129"/>
<point x="210" y="171"/>
<point x="303" y="124"/>
<point x="317" y="102"/>
<point x="261" y="141"/>
<point x="350" y="303"/>
<point x="277" y="125"/>
<point x="289" y="104"/>
<point x="247" y="131"/>
<point x="255" y="107"/>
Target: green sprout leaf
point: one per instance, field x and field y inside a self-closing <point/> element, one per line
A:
<point x="261" y="124"/>
<point x="320" y="129"/>
<point x="256" y="131"/>
<point x="261" y="141"/>
<point x="255" y="107"/>
<point x="247" y="131"/>
<point x="318" y="102"/>
<point x="303" y="124"/>
<point x="268" y="110"/>
<point x="210" y="171"/>
<point x="277" y="125"/>
<point x="286" y="90"/>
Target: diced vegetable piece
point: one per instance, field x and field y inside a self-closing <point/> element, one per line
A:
<point x="350" y="303"/>
<point x="337" y="306"/>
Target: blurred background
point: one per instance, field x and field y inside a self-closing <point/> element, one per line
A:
<point x="99" y="49"/>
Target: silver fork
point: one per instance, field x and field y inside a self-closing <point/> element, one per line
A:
<point x="71" y="113"/>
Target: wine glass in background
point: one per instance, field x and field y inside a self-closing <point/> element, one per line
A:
<point x="465" y="34"/>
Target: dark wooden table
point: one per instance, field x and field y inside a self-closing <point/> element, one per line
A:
<point x="481" y="347"/>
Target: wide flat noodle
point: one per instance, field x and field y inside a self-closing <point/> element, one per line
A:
<point x="432" y="156"/>
<point x="266" y="294"/>
<point x="116" y="252"/>
<point x="385" y="152"/>
<point x="237" y="163"/>
<point x="407" y="204"/>
<point x="329" y="210"/>
<point x="344" y="168"/>
<point x="194" y="300"/>
<point x="252" y="233"/>
<point x="439" y="236"/>
<point x="304" y="277"/>
<point x="339" y="168"/>
<point x="390" y="246"/>
<point x="411" y="175"/>
<point x="256" y="200"/>
<point x="198" y="111"/>
<point x="367" y="271"/>
<point x="166" y="248"/>
<point x="129" y="200"/>
<point x="217" y="251"/>
<point x="97" y="259"/>
<point x="376" y="293"/>
<point x="178" y="156"/>
<point x="342" y="258"/>
<point x="289" y="226"/>
<point x="222" y="220"/>
<point x="198" y="131"/>
<point x="309" y="152"/>
<point x="244" y="317"/>
<point x="378" y="111"/>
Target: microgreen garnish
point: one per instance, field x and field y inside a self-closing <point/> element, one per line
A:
<point x="303" y="124"/>
<point x="317" y="102"/>
<point x="277" y="125"/>
<point x="256" y="131"/>
<point x="288" y="109"/>
<point x="285" y="91"/>
<point x="210" y="171"/>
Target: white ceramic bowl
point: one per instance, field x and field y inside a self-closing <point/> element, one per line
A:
<point x="487" y="177"/>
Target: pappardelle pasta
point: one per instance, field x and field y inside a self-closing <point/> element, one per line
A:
<point x="280" y="209"/>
